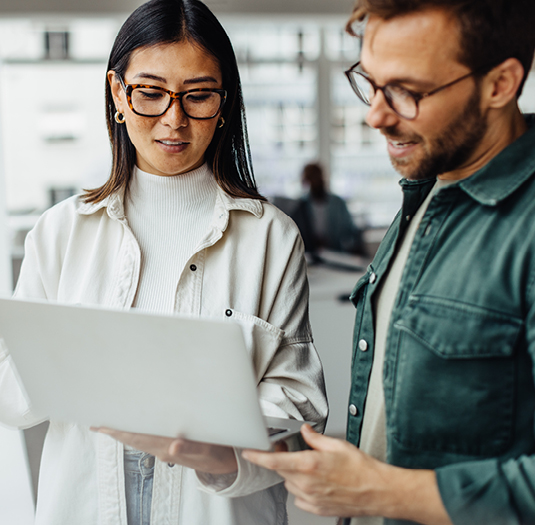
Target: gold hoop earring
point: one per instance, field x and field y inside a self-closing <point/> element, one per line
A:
<point x="119" y="118"/>
<point x="221" y="122"/>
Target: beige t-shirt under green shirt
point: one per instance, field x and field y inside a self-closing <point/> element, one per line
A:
<point x="373" y="436"/>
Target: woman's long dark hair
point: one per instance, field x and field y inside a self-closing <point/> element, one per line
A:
<point x="169" y="21"/>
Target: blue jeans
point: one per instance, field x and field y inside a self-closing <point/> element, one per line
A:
<point x="138" y="476"/>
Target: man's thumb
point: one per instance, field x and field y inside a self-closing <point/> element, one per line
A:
<point x="314" y="439"/>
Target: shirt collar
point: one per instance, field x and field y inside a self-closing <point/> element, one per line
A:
<point x="114" y="205"/>
<point x="506" y="172"/>
<point x="225" y="203"/>
<point x="253" y="206"/>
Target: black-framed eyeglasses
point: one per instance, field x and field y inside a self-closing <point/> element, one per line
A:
<point x="154" y="101"/>
<point x="403" y="102"/>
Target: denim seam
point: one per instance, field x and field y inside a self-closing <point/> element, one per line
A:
<point x="462" y="307"/>
<point x="433" y="348"/>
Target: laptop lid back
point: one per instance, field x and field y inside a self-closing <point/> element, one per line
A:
<point x="137" y="372"/>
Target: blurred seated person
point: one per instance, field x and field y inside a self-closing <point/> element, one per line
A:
<point x="323" y="218"/>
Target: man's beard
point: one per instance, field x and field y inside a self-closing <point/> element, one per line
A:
<point x="448" y="151"/>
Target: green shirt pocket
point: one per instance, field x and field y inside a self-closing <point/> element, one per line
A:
<point x="454" y="382"/>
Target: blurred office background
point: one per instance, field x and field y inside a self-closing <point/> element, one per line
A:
<point x="300" y="108"/>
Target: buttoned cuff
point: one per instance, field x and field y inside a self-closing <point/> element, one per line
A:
<point x="474" y="493"/>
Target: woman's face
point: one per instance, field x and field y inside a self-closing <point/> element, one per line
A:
<point x="172" y="143"/>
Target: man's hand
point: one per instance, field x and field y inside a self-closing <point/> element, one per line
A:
<point x="337" y="479"/>
<point x="203" y="457"/>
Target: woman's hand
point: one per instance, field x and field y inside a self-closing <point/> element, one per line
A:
<point x="202" y="457"/>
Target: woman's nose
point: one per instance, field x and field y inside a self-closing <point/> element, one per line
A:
<point x="175" y="116"/>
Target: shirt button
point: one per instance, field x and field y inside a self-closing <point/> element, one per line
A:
<point x="363" y="345"/>
<point x="228" y="313"/>
<point x="353" y="410"/>
<point x="373" y="278"/>
<point x="193" y="267"/>
<point x="170" y="465"/>
<point x="408" y="218"/>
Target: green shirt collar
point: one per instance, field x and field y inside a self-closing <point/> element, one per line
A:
<point x="506" y="172"/>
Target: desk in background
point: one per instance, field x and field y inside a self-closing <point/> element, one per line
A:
<point x="332" y="316"/>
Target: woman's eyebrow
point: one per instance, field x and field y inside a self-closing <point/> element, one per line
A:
<point x="199" y="80"/>
<point x="150" y="76"/>
<point x="195" y="80"/>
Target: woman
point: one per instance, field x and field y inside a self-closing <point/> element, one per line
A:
<point x="323" y="218"/>
<point x="178" y="227"/>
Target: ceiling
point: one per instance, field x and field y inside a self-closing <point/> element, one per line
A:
<point x="96" y="7"/>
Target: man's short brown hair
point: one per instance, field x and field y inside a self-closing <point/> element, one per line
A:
<point x="491" y="30"/>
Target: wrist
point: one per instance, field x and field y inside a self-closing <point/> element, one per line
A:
<point x="223" y="472"/>
<point x="222" y="462"/>
<point x="413" y="495"/>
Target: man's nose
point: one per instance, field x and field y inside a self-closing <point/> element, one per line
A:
<point x="380" y="114"/>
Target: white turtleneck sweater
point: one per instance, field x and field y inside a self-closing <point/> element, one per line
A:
<point x="169" y="216"/>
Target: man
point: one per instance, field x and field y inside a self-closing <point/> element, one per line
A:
<point x="442" y="398"/>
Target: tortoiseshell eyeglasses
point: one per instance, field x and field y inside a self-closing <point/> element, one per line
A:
<point x="154" y="101"/>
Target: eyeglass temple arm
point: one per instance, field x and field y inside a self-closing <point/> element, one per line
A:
<point x="120" y="80"/>
<point x="428" y="94"/>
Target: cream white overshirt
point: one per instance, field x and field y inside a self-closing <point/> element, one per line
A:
<point x="251" y="263"/>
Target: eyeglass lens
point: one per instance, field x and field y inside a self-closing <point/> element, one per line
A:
<point x="154" y="102"/>
<point x="399" y="99"/>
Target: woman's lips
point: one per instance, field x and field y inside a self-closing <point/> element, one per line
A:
<point x="172" y="146"/>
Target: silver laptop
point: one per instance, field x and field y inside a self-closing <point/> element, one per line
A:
<point x="139" y="372"/>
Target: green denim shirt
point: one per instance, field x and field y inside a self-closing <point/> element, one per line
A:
<point x="459" y="366"/>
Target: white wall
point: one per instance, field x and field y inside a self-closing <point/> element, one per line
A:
<point x="16" y="499"/>
<point x="5" y="255"/>
<point x="66" y="144"/>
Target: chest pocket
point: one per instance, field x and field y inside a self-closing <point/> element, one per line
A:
<point x="262" y="339"/>
<point x="454" y="384"/>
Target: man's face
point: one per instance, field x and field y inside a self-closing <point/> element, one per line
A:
<point x="420" y="52"/>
